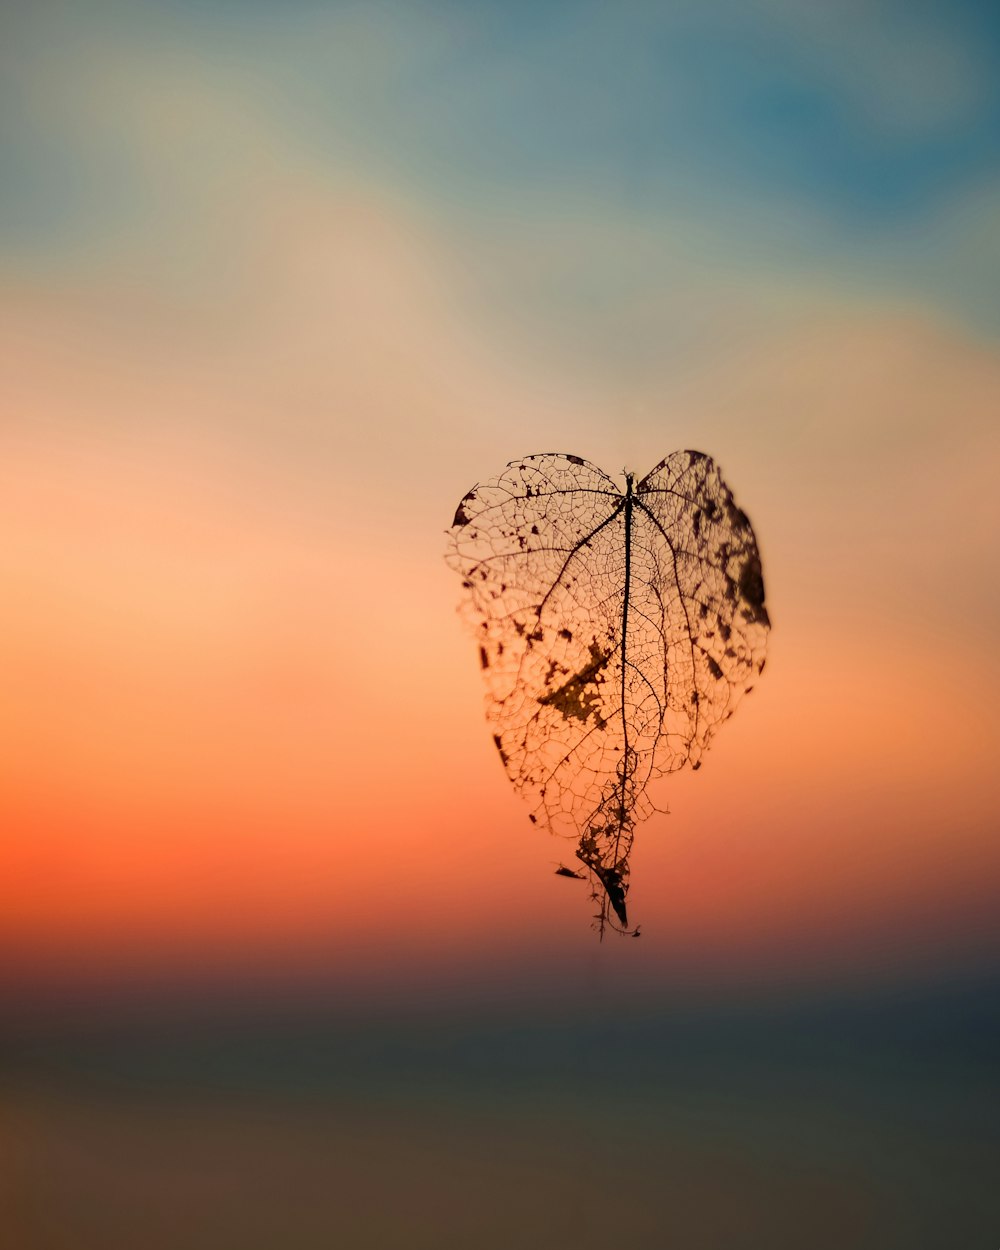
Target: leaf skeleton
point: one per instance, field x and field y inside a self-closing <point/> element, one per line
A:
<point x="617" y="631"/>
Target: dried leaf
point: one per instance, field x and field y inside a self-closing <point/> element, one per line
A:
<point x="617" y="630"/>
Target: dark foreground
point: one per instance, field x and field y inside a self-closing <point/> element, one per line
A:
<point x="839" y="1123"/>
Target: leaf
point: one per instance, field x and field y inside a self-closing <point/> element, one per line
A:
<point x="617" y="630"/>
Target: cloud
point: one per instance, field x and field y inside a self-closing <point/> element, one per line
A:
<point x="910" y="72"/>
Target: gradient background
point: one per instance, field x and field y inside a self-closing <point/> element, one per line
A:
<point x="284" y="963"/>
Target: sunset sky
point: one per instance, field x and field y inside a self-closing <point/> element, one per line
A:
<point x="283" y="962"/>
<point x="281" y="282"/>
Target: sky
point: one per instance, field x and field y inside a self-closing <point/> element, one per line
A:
<point x="287" y="962"/>
<point x="281" y="283"/>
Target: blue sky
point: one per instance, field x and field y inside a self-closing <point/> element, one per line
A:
<point x="860" y="137"/>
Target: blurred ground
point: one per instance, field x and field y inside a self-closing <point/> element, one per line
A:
<point x="843" y="1121"/>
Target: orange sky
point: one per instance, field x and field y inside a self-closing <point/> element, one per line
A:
<point x="241" y="719"/>
<point x="245" y="720"/>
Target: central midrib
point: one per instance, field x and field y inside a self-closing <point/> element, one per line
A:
<point x="628" y="579"/>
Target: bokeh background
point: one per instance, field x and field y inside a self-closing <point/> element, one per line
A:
<point x="283" y="961"/>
